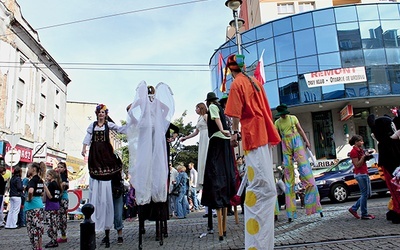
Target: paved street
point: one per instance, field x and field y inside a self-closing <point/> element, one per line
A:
<point x="336" y="230"/>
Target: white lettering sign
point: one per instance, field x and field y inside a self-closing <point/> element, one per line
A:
<point x="335" y="76"/>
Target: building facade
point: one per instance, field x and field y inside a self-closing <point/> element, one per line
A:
<point x="332" y="66"/>
<point x="33" y="91"/>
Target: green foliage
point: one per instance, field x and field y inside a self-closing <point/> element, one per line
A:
<point x="186" y="155"/>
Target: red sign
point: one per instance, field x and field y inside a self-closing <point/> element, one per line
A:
<point x="346" y="112"/>
<point x="26" y="153"/>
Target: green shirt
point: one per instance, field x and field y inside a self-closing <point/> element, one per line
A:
<point x="214" y="113"/>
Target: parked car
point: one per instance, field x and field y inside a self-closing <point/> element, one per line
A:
<point x="338" y="182"/>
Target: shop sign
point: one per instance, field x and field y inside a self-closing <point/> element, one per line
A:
<point x="346" y="112"/>
<point x="335" y="76"/>
<point x="26" y="153"/>
<point x="323" y="163"/>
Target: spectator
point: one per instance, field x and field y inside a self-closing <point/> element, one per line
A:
<point x="16" y="189"/>
<point x="359" y="158"/>
<point x="2" y="191"/>
<point x="193" y="185"/>
<point x="182" y="205"/>
<point x="34" y="206"/>
<point x="53" y="194"/>
<point x="63" y="212"/>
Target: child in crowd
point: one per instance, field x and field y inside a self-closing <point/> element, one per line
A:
<point x="34" y="207"/>
<point x="63" y="212"/>
<point x="53" y="192"/>
<point x="131" y="204"/>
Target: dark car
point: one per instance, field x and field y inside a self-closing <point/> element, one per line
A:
<point x="338" y="182"/>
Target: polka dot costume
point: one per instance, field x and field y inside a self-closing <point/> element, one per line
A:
<point x="260" y="200"/>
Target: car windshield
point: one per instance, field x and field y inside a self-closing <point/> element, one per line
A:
<point x="345" y="164"/>
<point x="341" y="165"/>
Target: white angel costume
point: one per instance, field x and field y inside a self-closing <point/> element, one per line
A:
<point x="148" y="119"/>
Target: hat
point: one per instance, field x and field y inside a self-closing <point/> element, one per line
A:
<point x="211" y="96"/>
<point x="282" y="110"/>
<point x="223" y="99"/>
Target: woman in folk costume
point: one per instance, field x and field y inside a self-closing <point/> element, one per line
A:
<point x="102" y="168"/>
<point x="149" y="117"/>
<point x="293" y="149"/>
<point x="219" y="174"/>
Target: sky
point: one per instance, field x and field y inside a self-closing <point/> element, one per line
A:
<point x="173" y="32"/>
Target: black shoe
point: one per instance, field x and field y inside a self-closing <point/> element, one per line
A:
<point x="214" y="215"/>
<point x="230" y="213"/>
<point x="205" y="216"/>
<point x="106" y="241"/>
<point x="290" y="220"/>
<point x="51" y="245"/>
<point x="120" y="240"/>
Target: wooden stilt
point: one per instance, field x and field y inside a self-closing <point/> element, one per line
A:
<point x="236" y="214"/>
<point x="224" y="214"/>
<point x="220" y="228"/>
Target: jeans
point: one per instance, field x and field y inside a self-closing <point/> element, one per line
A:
<point x="193" y="196"/>
<point x="365" y="188"/>
<point x="182" y="205"/>
<point x="118" y="209"/>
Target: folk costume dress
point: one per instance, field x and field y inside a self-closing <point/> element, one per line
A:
<point x="148" y="120"/>
<point x="102" y="167"/>
<point x="219" y="174"/>
<point x="293" y="149"/>
<point x="258" y="135"/>
<point x="203" y="147"/>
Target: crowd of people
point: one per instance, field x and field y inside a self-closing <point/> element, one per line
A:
<point x="220" y="180"/>
<point x="37" y="200"/>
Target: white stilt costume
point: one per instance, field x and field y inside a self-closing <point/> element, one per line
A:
<point x="148" y="118"/>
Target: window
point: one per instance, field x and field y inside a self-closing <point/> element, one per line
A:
<point x="285" y="8"/>
<point x="323" y="135"/>
<point x="41" y="127"/>
<point x="21" y="91"/>
<point x="18" y="117"/>
<point x="307" y="6"/>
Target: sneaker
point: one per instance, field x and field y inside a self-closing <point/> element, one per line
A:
<point x="120" y="240"/>
<point x="354" y="213"/>
<point x="368" y="217"/>
<point x="51" y="245"/>
<point x="61" y="240"/>
<point x="205" y="216"/>
<point x="214" y="215"/>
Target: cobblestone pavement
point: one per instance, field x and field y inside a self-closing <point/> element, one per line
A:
<point x="336" y="230"/>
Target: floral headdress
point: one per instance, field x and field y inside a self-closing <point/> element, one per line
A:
<point x="101" y="107"/>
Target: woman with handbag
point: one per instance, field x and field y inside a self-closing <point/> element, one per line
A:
<point x="182" y="205"/>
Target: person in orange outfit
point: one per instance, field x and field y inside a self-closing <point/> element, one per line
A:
<point x="248" y="104"/>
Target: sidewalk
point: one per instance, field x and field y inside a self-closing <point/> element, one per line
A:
<point x="336" y="230"/>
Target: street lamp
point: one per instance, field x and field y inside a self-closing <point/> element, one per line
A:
<point x="234" y="6"/>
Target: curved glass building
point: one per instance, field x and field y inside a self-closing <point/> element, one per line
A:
<point x="332" y="67"/>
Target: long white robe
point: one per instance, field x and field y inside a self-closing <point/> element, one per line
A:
<point x="148" y="121"/>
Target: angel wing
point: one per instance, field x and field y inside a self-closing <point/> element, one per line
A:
<point x="165" y="95"/>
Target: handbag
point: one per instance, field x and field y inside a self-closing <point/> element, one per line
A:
<point x="176" y="189"/>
